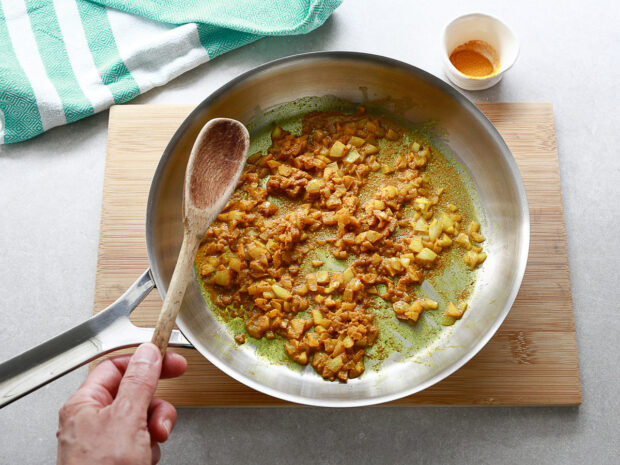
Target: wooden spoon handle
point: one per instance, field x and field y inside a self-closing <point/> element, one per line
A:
<point x="183" y="273"/>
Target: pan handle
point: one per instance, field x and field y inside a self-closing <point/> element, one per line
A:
<point x="108" y="330"/>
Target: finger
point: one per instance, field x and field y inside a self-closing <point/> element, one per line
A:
<point x="138" y="385"/>
<point x="174" y="365"/>
<point x="155" y="453"/>
<point x="101" y="384"/>
<point x="162" y="418"/>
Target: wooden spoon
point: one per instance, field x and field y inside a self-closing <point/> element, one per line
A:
<point x="215" y="164"/>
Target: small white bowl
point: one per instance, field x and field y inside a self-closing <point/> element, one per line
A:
<point x="478" y="26"/>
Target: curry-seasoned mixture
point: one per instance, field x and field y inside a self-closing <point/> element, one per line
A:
<point x="350" y="185"/>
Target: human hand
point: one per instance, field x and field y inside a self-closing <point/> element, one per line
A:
<point x="113" y="418"/>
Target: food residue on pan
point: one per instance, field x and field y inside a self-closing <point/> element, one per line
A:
<point x="327" y="229"/>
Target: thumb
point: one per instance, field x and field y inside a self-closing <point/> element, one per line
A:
<point x="140" y="380"/>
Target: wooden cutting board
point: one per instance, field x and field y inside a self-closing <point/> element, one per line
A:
<point x="532" y="360"/>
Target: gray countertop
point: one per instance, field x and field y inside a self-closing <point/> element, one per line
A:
<point x="50" y="201"/>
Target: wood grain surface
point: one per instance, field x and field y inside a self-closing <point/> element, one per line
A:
<point x="532" y="360"/>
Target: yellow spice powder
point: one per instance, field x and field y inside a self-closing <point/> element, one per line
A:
<point x="475" y="58"/>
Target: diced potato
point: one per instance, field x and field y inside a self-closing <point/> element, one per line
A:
<point x="357" y="370"/>
<point x="421" y="225"/>
<point x="470" y="259"/>
<point x="281" y="293"/>
<point x="338" y="348"/>
<point x="234" y="215"/>
<point x="473" y="227"/>
<point x="356" y="141"/>
<point x="445" y="221"/>
<point x="206" y="269"/>
<point x="415" y="147"/>
<point x="476" y="237"/>
<point x="322" y="277"/>
<point x="378" y="205"/>
<point x="235" y="264"/>
<point x="348" y="275"/>
<point x="434" y="229"/>
<point x="373" y="236"/>
<point x="400" y="306"/>
<point x="389" y="192"/>
<point x="355" y="284"/>
<point x="352" y="157"/>
<point x="255" y="157"/>
<point x="222" y="278"/>
<point x="285" y="170"/>
<point x="334" y="364"/>
<point x="473" y="259"/>
<point x="296" y="328"/>
<point x="419" y="161"/>
<point x="301" y="290"/>
<point x="414" y="311"/>
<point x="429" y="304"/>
<point x="453" y="311"/>
<point x="370" y="149"/>
<point x="444" y="241"/>
<point x="463" y="241"/>
<point x="422" y="204"/>
<point x="333" y="202"/>
<point x="276" y="133"/>
<point x="337" y="150"/>
<point x="318" y="319"/>
<point x="312" y="282"/>
<point x="416" y="244"/>
<point x="314" y="186"/>
<point x="391" y="135"/>
<point x="256" y="250"/>
<point x="330" y="170"/>
<point x="395" y="264"/>
<point x="411" y="312"/>
<point x="426" y="256"/>
<point x="313" y="339"/>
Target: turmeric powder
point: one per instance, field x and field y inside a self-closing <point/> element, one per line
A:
<point x="476" y="59"/>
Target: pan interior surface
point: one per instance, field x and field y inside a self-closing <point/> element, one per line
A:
<point x="281" y="92"/>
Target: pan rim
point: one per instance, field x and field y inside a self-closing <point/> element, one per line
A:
<point x="430" y="79"/>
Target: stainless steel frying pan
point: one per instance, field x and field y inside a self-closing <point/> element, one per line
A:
<point x="353" y="77"/>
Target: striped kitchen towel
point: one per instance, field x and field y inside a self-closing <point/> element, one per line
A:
<point x="63" y="60"/>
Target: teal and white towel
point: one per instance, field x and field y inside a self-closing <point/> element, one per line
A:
<point x="63" y="60"/>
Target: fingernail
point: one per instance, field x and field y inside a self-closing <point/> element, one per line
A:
<point x="147" y="353"/>
<point x="167" y="425"/>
